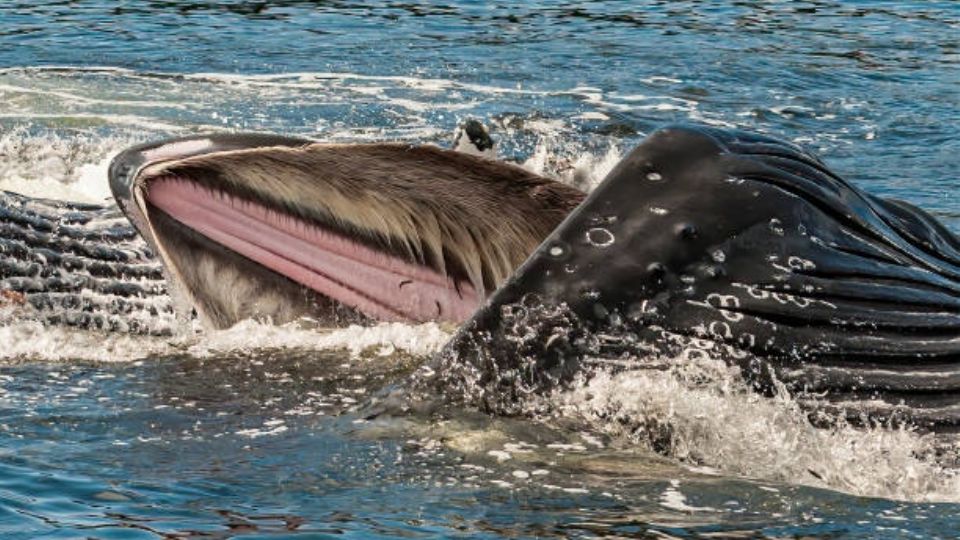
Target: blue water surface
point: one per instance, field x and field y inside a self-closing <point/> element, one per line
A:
<point x="254" y="444"/>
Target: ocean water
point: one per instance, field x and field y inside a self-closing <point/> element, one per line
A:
<point x="255" y="431"/>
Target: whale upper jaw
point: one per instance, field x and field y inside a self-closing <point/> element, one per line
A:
<point x="278" y="228"/>
<point x="125" y="166"/>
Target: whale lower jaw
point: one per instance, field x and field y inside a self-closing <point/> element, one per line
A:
<point x="281" y="259"/>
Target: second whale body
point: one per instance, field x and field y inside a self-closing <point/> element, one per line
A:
<point x="79" y="265"/>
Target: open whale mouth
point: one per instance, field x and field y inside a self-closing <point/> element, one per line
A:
<point x="278" y="227"/>
<point x="375" y="282"/>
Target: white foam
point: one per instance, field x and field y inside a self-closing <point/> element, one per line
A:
<point x="337" y="84"/>
<point x="582" y="169"/>
<point x="592" y="115"/>
<point x="710" y="417"/>
<point x="673" y="499"/>
<point x="33" y="341"/>
<point x="86" y="100"/>
<point x="661" y="79"/>
<point x="319" y="80"/>
<point x="71" y="168"/>
<point x="423" y="106"/>
<point x="90" y="183"/>
<point x="384" y="338"/>
<point x="127" y="120"/>
<point x="697" y="116"/>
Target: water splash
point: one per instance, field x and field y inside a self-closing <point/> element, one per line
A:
<point x="700" y="411"/>
<point x="67" y="166"/>
<point x="33" y="341"/>
<point x="571" y="164"/>
<point x="383" y="339"/>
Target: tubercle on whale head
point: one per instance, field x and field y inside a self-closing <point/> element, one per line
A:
<point x="276" y="227"/>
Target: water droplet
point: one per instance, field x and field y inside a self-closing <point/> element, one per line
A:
<point x="799" y="263"/>
<point x="654" y="176"/>
<point x="597" y="221"/>
<point x="776" y="226"/>
<point x="642" y="311"/>
<point x="600" y="237"/>
<point x="656" y="271"/>
<point x="687" y="231"/>
<point x="558" y="250"/>
<point x="659" y="211"/>
<point x="590" y="294"/>
<point x="570" y="268"/>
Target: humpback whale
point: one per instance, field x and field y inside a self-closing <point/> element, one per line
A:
<point x="743" y="245"/>
<point x="84" y="265"/>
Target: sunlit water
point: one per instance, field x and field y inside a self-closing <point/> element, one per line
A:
<point x="259" y="430"/>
